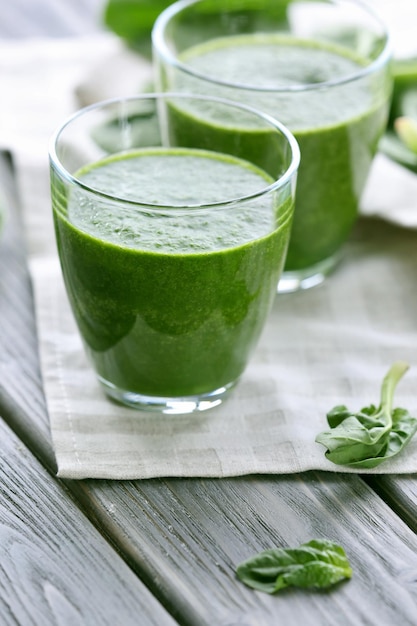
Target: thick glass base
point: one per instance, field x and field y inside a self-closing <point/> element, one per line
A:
<point x="170" y="406"/>
<point x="312" y="276"/>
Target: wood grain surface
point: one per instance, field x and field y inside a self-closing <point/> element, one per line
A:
<point x="189" y="535"/>
<point x="55" y="567"/>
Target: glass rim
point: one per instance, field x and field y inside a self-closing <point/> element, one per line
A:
<point x="161" y="47"/>
<point x="280" y="182"/>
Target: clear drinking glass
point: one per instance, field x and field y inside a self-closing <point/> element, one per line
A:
<point x="321" y="68"/>
<point x="171" y="249"/>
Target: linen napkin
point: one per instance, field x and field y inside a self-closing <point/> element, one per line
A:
<point x="328" y="345"/>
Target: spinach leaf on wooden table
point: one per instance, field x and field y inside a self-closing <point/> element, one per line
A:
<point x="318" y="564"/>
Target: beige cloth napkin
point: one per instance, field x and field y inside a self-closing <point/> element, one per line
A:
<point x="326" y="346"/>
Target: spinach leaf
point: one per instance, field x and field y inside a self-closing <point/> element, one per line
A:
<point x="318" y="564"/>
<point x="404" y="73"/>
<point x="375" y="434"/>
<point x="398" y="141"/>
<point x="132" y="20"/>
<point x="392" y="146"/>
<point x="406" y="129"/>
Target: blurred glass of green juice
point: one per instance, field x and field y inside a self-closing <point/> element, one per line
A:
<point x="328" y="88"/>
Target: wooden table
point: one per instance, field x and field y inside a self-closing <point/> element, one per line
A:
<point x="164" y="551"/>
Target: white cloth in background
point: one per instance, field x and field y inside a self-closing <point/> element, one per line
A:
<point x="329" y="345"/>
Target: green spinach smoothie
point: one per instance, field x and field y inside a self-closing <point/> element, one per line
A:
<point x="170" y="299"/>
<point x="337" y="127"/>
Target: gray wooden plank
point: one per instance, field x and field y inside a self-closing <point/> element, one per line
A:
<point x="19" y="363"/>
<point x="191" y="534"/>
<point x="185" y="537"/>
<point x="400" y="493"/>
<point x="55" y="568"/>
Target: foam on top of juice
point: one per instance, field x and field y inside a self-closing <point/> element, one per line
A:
<point x="173" y="178"/>
<point x="257" y="66"/>
<point x="271" y="61"/>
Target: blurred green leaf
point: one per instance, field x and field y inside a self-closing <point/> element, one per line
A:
<point x="398" y="145"/>
<point x="406" y="129"/>
<point x="132" y="20"/>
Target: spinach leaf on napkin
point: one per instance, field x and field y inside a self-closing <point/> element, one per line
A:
<point x="374" y="434"/>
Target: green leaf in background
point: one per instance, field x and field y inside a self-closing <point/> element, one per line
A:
<point x="404" y="73"/>
<point x="392" y="146"/>
<point x="398" y="142"/>
<point x="374" y="434"/>
<point x="133" y="19"/>
<point x="406" y="129"/>
<point x="318" y="564"/>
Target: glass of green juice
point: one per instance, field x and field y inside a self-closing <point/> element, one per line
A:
<point x="320" y="67"/>
<point x="171" y="250"/>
